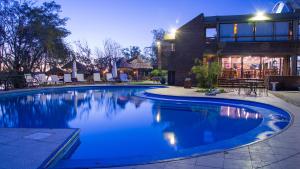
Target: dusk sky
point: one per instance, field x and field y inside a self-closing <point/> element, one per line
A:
<point x="130" y="22"/>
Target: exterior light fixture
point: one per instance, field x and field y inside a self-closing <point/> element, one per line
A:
<point x="173" y="31"/>
<point x="260" y="16"/>
<point x="158" y="43"/>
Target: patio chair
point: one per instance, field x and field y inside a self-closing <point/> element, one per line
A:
<point x="80" y="78"/>
<point x="124" y="77"/>
<point x="97" y="77"/>
<point x="109" y="77"/>
<point x="54" y="79"/>
<point x="41" y="79"/>
<point x="30" y="81"/>
<point x="67" y="78"/>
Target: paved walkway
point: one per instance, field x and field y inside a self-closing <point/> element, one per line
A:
<point x="291" y="97"/>
<point x="32" y="148"/>
<point x="279" y="152"/>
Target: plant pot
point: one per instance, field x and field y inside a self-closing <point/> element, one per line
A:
<point x="188" y="83"/>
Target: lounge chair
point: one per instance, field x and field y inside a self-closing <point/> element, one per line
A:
<point x="41" y="79"/>
<point x="54" y="79"/>
<point x="97" y="77"/>
<point x="30" y="81"/>
<point x="67" y="78"/>
<point x="124" y="77"/>
<point x="80" y="78"/>
<point x="109" y="77"/>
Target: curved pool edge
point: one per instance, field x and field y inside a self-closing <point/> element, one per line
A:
<point x="187" y="156"/>
<point x="193" y="156"/>
<point x="165" y="97"/>
<point x="194" y="153"/>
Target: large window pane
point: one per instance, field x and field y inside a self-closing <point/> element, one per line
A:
<point x="264" y="31"/>
<point x="245" y="32"/>
<point x="282" y="30"/>
<point x="227" y="32"/>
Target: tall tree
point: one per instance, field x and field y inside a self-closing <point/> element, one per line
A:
<point x="112" y="51"/>
<point x="158" y="36"/>
<point x="83" y="53"/>
<point x="131" y="52"/>
<point x="33" y="35"/>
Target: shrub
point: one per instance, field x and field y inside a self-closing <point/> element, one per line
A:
<point x="206" y="74"/>
<point x="159" y="73"/>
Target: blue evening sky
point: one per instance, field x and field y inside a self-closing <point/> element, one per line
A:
<point x="129" y="22"/>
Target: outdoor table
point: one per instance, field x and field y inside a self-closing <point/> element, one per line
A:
<point x="253" y="86"/>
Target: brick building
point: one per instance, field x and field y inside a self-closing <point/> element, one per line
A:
<point x="246" y="46"/>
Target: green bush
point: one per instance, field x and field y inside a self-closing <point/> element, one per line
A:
<point x="159" y="73"/>
<point x="206" y="74"/>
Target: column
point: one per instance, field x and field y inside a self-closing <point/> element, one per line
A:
<point x="242" y="67"/>
<point x="294" y="65"/>
<point x="286" y="66"/>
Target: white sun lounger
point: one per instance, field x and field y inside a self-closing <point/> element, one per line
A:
<point x="67" y="78"/>
<point x="109" y="77"/>
<point x="54" y="79"/>
<point x="124" y="77"/>
<point x="80" y="78"/>
<point x="41" y="79"/>
<point x="97" y="77"/>
<point x="30" y="81"/>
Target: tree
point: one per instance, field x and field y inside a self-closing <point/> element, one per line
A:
<point x="111" y="52"/>
<point x="131" y="52"/>
<point x="83" y="53"/>
<point x="158" y="35"/>
<point x="31" y="35"/>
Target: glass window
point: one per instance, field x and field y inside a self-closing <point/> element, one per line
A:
<point x="245" y="32"/>
<point x="227" y="32"/>
<point x="211" y="32"/>
<point x="264" y="31"/>
<point x="282" y="30"/>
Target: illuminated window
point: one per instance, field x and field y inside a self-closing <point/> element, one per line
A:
<point x="235" y="29"/>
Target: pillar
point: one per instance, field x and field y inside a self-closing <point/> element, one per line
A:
<point x="294" y="65"/>
<point x="286" y="66"/>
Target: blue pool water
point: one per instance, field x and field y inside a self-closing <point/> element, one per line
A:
<point x="121" y="125"/>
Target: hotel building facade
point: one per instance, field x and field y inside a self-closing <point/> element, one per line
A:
<point x="246" y="46"/>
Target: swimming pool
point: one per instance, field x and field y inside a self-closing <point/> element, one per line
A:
<point x="123" y="125"/>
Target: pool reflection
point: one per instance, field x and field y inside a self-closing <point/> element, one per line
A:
<point x="199" y="124"/>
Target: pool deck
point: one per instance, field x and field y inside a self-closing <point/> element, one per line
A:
<point x="279" y="152"/>
<point x="22" y="148"/>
